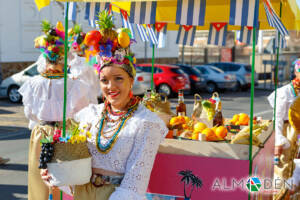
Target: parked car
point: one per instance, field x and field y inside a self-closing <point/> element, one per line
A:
<point x="196" y="78"/>
<point x="142" y="82"/>
<point x="9" y="86"/>
<point x="242" y="72"/>
<point x="216" y="78"/>
<point x="168" y="79"/>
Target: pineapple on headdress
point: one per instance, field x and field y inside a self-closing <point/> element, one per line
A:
<point x="106" y="26"/>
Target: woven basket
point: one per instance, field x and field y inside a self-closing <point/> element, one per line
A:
<point x="69" y="151"/>
<point x="71" y="164"/>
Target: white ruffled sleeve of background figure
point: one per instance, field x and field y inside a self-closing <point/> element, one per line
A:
<point x="281" y="115"/>
<point x="140" y="161"/>
<point x="81" y="70"/>
<point x="295" y="179"/>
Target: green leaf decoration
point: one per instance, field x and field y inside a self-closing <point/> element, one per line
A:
<point x="206" y="104"/>
<point x="77" y="29"/>
<point x="105" y="20"/>
<point x="46" y="26"/>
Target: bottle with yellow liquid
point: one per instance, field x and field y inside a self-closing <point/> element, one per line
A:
<point x="181" y="107"/>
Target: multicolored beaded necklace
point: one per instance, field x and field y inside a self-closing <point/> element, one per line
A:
<point x="133" y="105"/>
<point x="295" y="85"/>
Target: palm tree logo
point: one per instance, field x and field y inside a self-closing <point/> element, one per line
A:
<point x="189" y="178"/>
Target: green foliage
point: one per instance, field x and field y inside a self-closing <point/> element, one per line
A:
<point x="77" y="29"/>
<point x="206" y="104"/>
<point x="46" y="26"/>
<point x="105" y="20"/>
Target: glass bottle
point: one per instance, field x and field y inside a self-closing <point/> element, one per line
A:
<point x="181" y="107"/>
<point x="218" y="118"/>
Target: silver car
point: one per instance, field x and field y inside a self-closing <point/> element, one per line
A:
<point x="215" y="78"/>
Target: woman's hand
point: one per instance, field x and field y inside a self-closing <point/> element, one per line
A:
<point x="278" y="150"/>
<point x="45" y="177"/>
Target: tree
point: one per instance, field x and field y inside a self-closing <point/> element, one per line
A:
<point x="187" y="178"/>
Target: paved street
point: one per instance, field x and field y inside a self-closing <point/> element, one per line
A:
<point x="14" y="135"/>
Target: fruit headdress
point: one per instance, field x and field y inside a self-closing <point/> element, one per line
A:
<point x="110" y="46"/>
<point x="76" y="38"/>
<point x="52" y="43"/>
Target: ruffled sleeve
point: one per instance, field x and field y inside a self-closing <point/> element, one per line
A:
<point x="140" y="161"/>
<point x="88" y="113"/>
<point x="295" y="179"/>
<point x="281" y="112"/>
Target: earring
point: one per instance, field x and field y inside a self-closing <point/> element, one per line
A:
<point x="130" y="94"/>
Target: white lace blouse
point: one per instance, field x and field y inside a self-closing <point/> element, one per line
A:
<point x="285" y="98"/>
<point x="43" y="98"/>
<point x="133" y="153"/>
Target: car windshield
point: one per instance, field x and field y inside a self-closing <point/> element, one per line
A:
<point x="215" y="69"/>
<point x="248" y="68"/>
<point x="32" y="71"/>
<point x="177" y="70"/>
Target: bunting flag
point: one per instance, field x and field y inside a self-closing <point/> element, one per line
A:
<point x="282" y="41"/>
<point x="273" y="19"/>
<point x="41" y="3"/>
<point x="190" y="12"/>
<point x="92" y="23"/>
<point x="186" y="35"/>
<point x="244" y="12"/>
<point x="143" y="12"/>
<point x="142" y="32"/>
<point x="246" y="35"/>
<point x="72" y="11"/>
<point x="151" y="34"/>
<point x="126" y="23"/>
<point x="92" y="11"/>
<point x="161" y="29"/>
<point x="217" y="34"/>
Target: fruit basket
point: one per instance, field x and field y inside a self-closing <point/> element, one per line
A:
<point x="67" y="158"/>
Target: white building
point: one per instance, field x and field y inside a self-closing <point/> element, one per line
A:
<point x="20" y="23"/>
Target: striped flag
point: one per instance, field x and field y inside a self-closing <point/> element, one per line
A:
<point x="142" y="32"/>
<point x="72" y="11"/>
<point x="246" y="35"/>
<point x="161" y="29"/>
<point x="92" y="23"/>
<point x="282" y="41"/>
<point x="143" y="12"/>
<point x="92" y="10"/>
<point x="126" y="23"/>
<point x="152" y="35"/>
<point x="244" y="12"/>
<point x="273" y="19"/>
<point x="217" y="34"/>
<point x="186" y="35"/>
<point x="191" y="12"/>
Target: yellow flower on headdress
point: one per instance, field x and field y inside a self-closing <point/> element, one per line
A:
<point x="59" y="26"/>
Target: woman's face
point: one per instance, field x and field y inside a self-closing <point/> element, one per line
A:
<point x="54" y="68"/>
<point x="116" y="84"/>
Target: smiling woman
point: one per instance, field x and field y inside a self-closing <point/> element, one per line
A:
<point x="125" y="135"/>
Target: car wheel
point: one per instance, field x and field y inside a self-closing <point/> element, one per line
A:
<point x="211" y="87"/>
<point x="13" y="94"/>
<point x="237" y="87"/>
<point x="165" y="88"/>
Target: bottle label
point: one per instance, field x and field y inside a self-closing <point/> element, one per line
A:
<point x="181" y="114"/>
